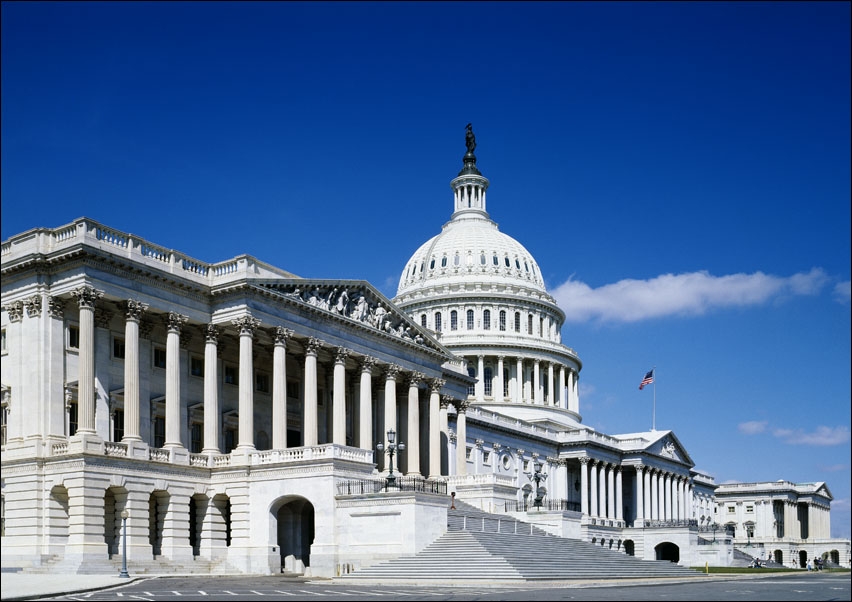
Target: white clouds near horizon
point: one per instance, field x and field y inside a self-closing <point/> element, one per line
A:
<point x="689" y="294"/>
<point x="822" y="436"/>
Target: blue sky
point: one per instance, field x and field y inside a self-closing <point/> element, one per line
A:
<point x="680" y="171"/>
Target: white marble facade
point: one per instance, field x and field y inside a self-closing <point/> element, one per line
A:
<point x="231" y="412"/>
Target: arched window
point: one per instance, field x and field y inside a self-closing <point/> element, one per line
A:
<point x="517" y="321"/>
<point x="541" y="327"/>
<point x="486" y="319"/>
<point x="529" y="324"/>
<point x="508" y="265"/>
<point x="432" y="264"/>
<point x="495" y="260"/>
<point x="444" y="261"/>
<point x="489" y="376"/>
<point x="470" y="319"/>
<point x="438" y="321"/>
<point x="423" y="320"/>
<point x="454" y="320"/>
<point x="482" y="259"/>
<point x="421" y="267"/>
<point x="456" y="259"/>
<point x="517" y="264"/>
<point x="502" y="319"/>
<point x="526" y="267"/>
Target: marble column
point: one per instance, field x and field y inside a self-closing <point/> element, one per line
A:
<point x="563" y="398"/>
<point x="174" y="324"/>
<point x="412" y="451"/>
<point x="594" y="486"/>
<point x="640" y="496"/>
<point x="649" y="510"/>
<point x="461" y="435"/>
<point x="391" y="374"/>
<point x="480" y="376"/>
<point x="435" y="386"/>
<point x="365" y="404"/>
<point x="619" y="501"/>
<point x="339" y="397"/>
<point x="606" y="493"/>
<point x="536" y="395"/>
<point x="498" y="394"/>
<point x="86" y="297"/>
<point x="246" y="326"/>
<point x="311" y="434"/>
<point x="584" y="486"/>
<point x="551" y="390"/>
<point x="135" y="309"/>
<point x="443" y="422"/>
<point x="280" y="337"/>
<point x="519" y="381"/>
<point x="655" y="495"/>
<point x="211" y="390"/>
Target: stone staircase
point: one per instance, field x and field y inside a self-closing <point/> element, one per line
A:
<point x="480" y="546"/>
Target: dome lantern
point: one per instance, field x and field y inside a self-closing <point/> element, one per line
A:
<point x="470" y="185"/>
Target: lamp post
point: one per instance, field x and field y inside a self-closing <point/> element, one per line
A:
<point x="392" y="447"/>
<point x="537" y="477"/>
<point x="715" y="526"/>
<point x="124" y="573"/>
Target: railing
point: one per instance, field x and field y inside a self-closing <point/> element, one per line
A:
<point x="527" y="506"/>
<point x="661" y="524"/>
<point x="115" y="449"/>
<point x="159" y="455"/>
<point x="59" y="449"/>
<point x="415" y="484"/>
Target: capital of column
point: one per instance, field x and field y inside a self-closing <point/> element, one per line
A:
<point x="368" y="363"/>
<point x="436" y="384"/>
<point x="392" y="372"/>
<point x="479" y="443"/>
<point x="461" y="405"/>
<point x="175" y="321"/>
<point x="55" y="307"/>
<point x="15" y="309"/>
<point x="246" y="325"/>
<point x="415" y="378"/>
<point x="446" y="401"/>
<point x="313" y="346"/>
<point x="86" y="296"/>
<point x="584" y="460"/>
<point x="33" y="305"/>
<point x="281" y="335"/>
<point x="211" y="334"/>
<point x="340" y="355"/>
<point x="134" y="310"/>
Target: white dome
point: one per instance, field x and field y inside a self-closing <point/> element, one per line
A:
<point x="471" y="248"/>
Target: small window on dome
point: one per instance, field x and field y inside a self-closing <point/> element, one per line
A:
<point x="502" y="320"/>
<point x="496" y="260"/>
<point x="423" y="320"/>
<point x="444" y="261"/>
<point x="517" y="264"/>
<point x="421" y="267"/>
<point x="456" y="259"/>
<point x="486" y="319"/>
<point x="482" y="259"/>
<point x="526" y="266"/>
<point x="508" y="265"/>
<point x="432" y="264"/>
<point x="454" y="320"/>
<point x="469" y="259"/>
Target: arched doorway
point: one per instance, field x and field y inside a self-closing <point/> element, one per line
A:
<point x="293" y="518"/>
<point x="667" y="551"/>
<point x="803" y="559"/>
<point x="629" y="547"/>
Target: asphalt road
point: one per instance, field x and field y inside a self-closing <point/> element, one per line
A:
<point x="802" y="586"/>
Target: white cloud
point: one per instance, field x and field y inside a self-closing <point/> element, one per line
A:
<point x="822" y="436"/>
<point x="753" y="427"/>
<point x="834" y="467"/>
<point x="682" y="294"/>
<point x="843" y="291"/>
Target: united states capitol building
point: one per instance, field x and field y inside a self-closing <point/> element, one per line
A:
<point x="234" y="417"/>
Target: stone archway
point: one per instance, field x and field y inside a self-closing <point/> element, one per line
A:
<point x="293" y="519"/>
<point x="667" y="551"/>
<point x="629" y="547"/>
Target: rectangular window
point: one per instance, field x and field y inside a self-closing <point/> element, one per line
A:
<point x="517" y="322"/>
<point x="467" y="453"/>
<point x="502" y="320"/>
<point x="230" y="374"/>
<point x="230" y="440"/>
<point x="159" y="431"/>
<point x="3" y="340"/>
<point x="261" y="382"/>
<point x="73" y="337"/>
<point x="454" y="320"/>
<point x="196" y="365"/>
<point x="486" y="320"/>
<point x="731" y="510"/>
<point x="470" y="319"/>
<point x="72" y="419"/>
<point x="118" y="348"/>
<point x="750" y="509"/>
<point x="526" y="465"/>
<point x="529" y="324"/>
<point x="486" y="457"/>
<point x="118" y="425"/>
<point x="196" y="437"/>
<point x="160" y="357"/>
<point x="4" y="418"/>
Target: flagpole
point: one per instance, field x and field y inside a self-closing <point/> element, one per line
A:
<point x="654" y="411"/>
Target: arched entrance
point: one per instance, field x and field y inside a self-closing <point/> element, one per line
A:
<point x="667" y="551"/>
<point x="803" y="559"/>
<point x="629" y="547"/>
<point x="294" y="531"/>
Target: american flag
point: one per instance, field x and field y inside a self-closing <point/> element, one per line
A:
<point x="649" y="378"/>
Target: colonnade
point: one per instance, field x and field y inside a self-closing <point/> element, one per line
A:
<point x="534" y="381"/>
<point x="247" y="325"/>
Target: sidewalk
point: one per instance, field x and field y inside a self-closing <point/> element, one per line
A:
<point x="21" y="586"/>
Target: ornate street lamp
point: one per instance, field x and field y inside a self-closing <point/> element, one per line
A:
<point x="392" y="448"/>
<point x="124" y="515"/>
<point x="537" y="477"/>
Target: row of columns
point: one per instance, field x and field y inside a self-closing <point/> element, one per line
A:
<point x="246" y="326"/>
<point x="662" y="495"/>
<point x="565" y="396"/>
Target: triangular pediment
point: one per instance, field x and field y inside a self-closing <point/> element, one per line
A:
<point x="666" y="445"/>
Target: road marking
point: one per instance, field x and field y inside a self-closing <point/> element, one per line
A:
<point x="254" y="591"/>
<point x="278" y="591"/>
<point x="229" y="592"/>
<point x="202" y="593"/>
<point x="311" y="592"/>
